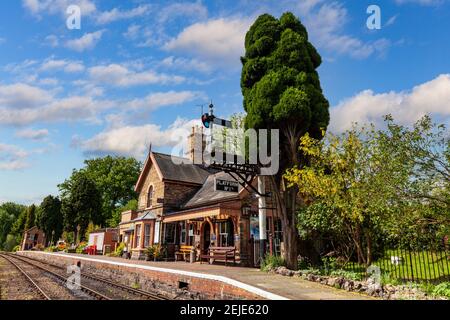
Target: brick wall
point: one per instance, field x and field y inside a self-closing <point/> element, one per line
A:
<point x="164" y="283"/>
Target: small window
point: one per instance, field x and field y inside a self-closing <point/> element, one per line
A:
<point x="150" y="197"/>
<point x="226" y="233"/>
<point x="183" y="232"/>
<point x="138" y="236"/>
<point x="146" y="235"/>
<point x="169" y="233"/>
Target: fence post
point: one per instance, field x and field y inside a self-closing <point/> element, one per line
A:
<point x="411" y="264"/>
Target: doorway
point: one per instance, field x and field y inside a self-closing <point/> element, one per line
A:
<point x="206" y="237"/>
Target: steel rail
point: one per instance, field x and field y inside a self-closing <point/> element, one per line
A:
<point x="139" y="292"/>
<point x="85" y="289"/>
<point x="34" y="284"/>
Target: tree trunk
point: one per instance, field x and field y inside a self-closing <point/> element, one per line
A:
<point x="369" y="248"/>
<point x="286" y="206"/>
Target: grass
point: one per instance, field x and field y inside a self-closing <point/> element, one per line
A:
<point x="415" y="266"/>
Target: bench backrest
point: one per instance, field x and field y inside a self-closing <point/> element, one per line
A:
<point x="218" y="249"/>
<point x="186" y="248"/>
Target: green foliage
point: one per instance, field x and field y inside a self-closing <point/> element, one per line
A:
<point x="81" y="204"/>
<point x="279" y="81"/>
<point x="119" y="250"/>
<point x="351" y="275"/>
<point x="154" y="252"/>
<point x="80" y="247"/>
<point x="117" y="215"/>
<point x="10" y="243"/>
<point x="16" y="248"/>
<point x="30" y="220"/>
<point x="9" y="214"/>
<point x="366" y="188"/>
<point x="281" y="90"/>
<point x="271" y="262"/>
<point x="114" y="178"/>
<point x="442" y="289"/>
<point x="50" y="219"/>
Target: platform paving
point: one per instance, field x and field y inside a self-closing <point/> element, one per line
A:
<point x="288" y="287"/>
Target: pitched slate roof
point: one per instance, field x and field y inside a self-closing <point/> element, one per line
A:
<point x="208" y="194"/>
<point x="173" y="168"/>
<point x="185" y="172"/>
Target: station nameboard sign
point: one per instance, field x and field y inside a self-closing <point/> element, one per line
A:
<point x="226" y="185"/>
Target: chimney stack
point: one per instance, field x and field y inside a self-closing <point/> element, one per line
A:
<point x="196" y="145"/>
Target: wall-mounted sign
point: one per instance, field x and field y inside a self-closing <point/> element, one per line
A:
<point x="226" y="185"/>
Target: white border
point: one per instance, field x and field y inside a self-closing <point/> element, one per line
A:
<point x="260" y="292"/>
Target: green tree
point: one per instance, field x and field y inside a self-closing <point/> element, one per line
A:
<point x="49" y="218"/>
<point x="366" y="187"/>
<point x="81" y="204"/>
<point x="114" y="177"/>
<point x="9" y="213"/>
<point x="281" y="90"/>
<point x="30" y="220"/>
<point x="117" y="215"/>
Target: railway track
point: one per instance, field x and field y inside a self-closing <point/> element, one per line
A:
<point x="115" y="290"/>
<point x="33" y="284"/>
<point x="55" y="277"/>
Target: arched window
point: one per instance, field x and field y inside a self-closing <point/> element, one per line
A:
<point x="150" y="197"/>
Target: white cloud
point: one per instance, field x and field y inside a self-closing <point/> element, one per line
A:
<point x="65" y="65"/>
<point x="432" y="97"/>
<point x="32" y="134"/>
<point x="135" y="140"/>
<point x="121" y="76"/>
<point x="186" y="64"/>
<point x="161" y="99"/>
<point x="12" y="157"/>
<point x="2" y="40"/>
<point x="86" y="42"/>
<point x="325" y="23"/>
<point x="52" y="41"/>
<point x="132" y="32"/>
<point x="116" y="14"/>
<point x="21" y="96"/>
<point x="421" y="2"/>
<point x="219" y="40"/>
<point x="22" y="104"/>
<point x="39" y="7"/>
<point x="196" y="10"/>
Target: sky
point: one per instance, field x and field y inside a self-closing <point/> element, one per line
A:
<point x="137" y="73"/>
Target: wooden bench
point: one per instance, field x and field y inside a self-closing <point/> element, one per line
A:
<point x="183" y="251"/>
<point x="220" y="253"/>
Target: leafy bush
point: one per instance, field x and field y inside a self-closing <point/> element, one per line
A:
<point x="119" y="250"/>
<point x="39" y="247"/>
<point x="16" y="248"/>
<point x="346" y="275"/>
<point x="154" y="252"/>
<point x="80" y="248"/>
<point x="271" y="262"/>
<point x="51" y="249"/>
<point x="442" y="289"/>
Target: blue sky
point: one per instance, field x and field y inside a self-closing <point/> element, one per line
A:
<point x="137" y="71"/>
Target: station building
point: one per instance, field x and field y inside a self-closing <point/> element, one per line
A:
<point x="183" y="204"/>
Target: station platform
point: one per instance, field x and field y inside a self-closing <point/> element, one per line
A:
<point x="265" y="285"/>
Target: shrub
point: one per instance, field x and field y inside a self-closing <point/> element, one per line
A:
<point x="271" y="262"/>
<point x="154" y="252"/>
<point x="119" y="250"/>
<point x="16" y="248"/>
<point x="39" y="247"/>
<point x="346" y="275"/>
<point x="442" y="289"/>
<point x="80" y="248"/>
